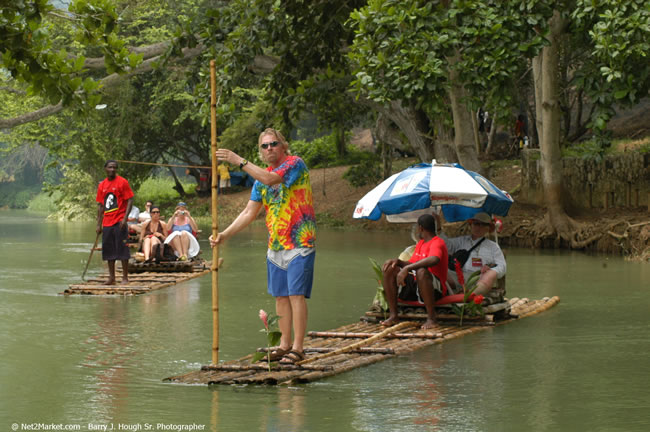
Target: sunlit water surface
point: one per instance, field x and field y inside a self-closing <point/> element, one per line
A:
<point x="82" y="360"/>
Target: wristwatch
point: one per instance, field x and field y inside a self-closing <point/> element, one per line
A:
<point x="243" y="163"/>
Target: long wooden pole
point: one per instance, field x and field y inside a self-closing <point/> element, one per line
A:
<point x="215" y="219"/>
<point x="91" y="255"/>
<point x="356" y="345"/>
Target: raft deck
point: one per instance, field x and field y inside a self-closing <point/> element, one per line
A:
<point x="356" y="345"/>
<point x="144" y="279"/>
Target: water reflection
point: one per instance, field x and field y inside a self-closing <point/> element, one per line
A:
<point x="108" y="353"/>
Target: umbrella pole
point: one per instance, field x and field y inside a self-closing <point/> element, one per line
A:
<point x="215" y="220"/>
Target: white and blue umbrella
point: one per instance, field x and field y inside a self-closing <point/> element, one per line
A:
<point x="407" y="194"/>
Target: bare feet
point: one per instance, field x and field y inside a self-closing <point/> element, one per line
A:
<point x="429" y="324"/>
<point x="111" y="281"/>
<point x="125" y="281"/>
<point x="392" y="320"/>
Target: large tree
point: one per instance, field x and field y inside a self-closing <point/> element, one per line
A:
<point x="441" y="60"/>
<point x="617" y="35"/>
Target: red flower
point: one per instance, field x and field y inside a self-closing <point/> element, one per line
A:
<point x="459" y="273"/>
<point x="498" y="223"/>
<point x="265" y="318"/>
<point x="478" y="299"/>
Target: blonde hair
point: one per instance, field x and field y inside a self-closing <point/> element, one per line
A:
<point x="278" y="136"/>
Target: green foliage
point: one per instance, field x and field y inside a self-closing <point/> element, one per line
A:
<point x="408" y="50"/>
<point x="28" y="32"/>
<point x="273" y="336"/>
<point x="318" y="153"/>
<point x="17" y="197"/>
<point x="160" y="190"/>
<point x="368" y="171"/>
<point x="380" y="296"/>
<point x="76" y="195"/>
<point x="468" y="306"/>
<point x="44" y="202"/>
<point x="590" y="149"/>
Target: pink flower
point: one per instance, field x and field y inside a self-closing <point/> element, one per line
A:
<point x="265" y="318"/>
<point x="478" y="299"/>
<point x="459" y="273"/>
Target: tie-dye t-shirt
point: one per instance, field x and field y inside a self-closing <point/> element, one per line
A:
<point x="289" y="210"/>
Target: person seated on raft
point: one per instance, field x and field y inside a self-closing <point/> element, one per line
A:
<point x="486" y="257"/>
<point x="181" y="239"/>
<point x="152" y="235"/>
<point x="428" y="263"/>
<point x="132" y="219"/>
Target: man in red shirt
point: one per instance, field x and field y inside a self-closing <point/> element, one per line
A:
<point x="114" y="201"/>
<point x="421" y="276"/>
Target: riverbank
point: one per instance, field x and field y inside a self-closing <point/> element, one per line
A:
<point x="619" y="231"/>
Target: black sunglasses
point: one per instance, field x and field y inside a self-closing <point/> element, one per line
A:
<point x="272" y="144"/>
<point x="155" y="211"/>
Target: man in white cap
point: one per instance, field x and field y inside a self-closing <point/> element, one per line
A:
<point x="485" y="255"/>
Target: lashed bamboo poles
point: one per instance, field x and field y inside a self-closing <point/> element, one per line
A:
<point x="363" y="335"/>
<point x="343" y="361"/>
<point x="370" y="340"/>
<point x="215" y="219"/>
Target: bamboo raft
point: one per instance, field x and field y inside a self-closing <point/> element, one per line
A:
<point x="356" y="345"/>
<point x="145" y="279"/>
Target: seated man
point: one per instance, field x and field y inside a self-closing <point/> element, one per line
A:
<point x="428" y="262"/>
<point x="486" y="255"/>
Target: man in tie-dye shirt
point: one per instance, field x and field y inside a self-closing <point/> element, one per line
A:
<point x="284" y="190"/>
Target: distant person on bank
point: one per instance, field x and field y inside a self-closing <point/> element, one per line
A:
<point x="284" y="190"/>
<point x="114" y="201"/>
<point x="421" y="277"/>
<point x="224" y="177"/>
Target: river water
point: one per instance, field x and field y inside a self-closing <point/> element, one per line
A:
<point x="90" y="362"/>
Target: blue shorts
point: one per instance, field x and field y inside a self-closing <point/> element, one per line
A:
<point x="297" y="279"/>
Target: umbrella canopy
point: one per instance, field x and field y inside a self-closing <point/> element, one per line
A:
<point x="406" y="195"/>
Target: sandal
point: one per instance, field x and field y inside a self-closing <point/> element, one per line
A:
<point x="292" y="357"/>
<point x="275" y="355"/>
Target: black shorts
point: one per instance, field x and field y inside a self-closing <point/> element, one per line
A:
<point x="410" y="292"/>
<point x="114" y="243"/>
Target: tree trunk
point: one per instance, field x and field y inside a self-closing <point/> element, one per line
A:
<point x="444" y="144"/>
<point x="413" y="123"/>
<point x="477" y="140"/>
<point x="551" y="162"/>
<point x="462" y="115"/>
<point x="340" y="141"/>
<point x="178" y="186"/>
<point x="388" y="138"/>
<point x="538" y="78"/>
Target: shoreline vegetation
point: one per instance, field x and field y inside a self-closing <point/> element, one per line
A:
<point x="616" y="231"/>
<point x="619" y="231"/>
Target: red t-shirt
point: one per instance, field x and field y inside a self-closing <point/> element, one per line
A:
<point x="114" y="194"/>
<point x="434" y="247"/>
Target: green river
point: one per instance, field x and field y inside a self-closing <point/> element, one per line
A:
<point x="89" y="363"/>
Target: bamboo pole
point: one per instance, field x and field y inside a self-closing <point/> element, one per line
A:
<point x="215" y="219"/>
<point x="357" y="351"/>
<point x="363" y="335"/>
<point x="276" y="367"/>
<point x="356" y="345"/>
